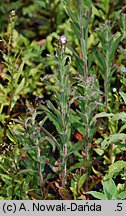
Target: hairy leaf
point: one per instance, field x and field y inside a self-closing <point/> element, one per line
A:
<point x="101" y="115"/>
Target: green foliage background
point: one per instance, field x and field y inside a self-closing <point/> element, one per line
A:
<point x="92" y="66"/>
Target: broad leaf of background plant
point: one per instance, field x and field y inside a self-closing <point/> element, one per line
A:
<point x="97" y="195"/>
<point x="115" y="168"/>
<point x="119" y="116"/>
<point x="114" y="138"/>
<point x="122" y="195"/>
<point x="109" y="188"/>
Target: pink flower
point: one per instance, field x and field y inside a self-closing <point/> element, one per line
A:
<point x="63" y="40"/>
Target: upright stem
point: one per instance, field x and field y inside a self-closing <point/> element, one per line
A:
<point x="39" y="169"/>
<point x="106" y="83"/>
<point x="106" y="97"/>
<point x="85" y="70"/>
<point x="83" y="41"/>
<point x="86" y="144"/>
<point x="86" y="151"/>
<point x="63" y="105"/>
<point x="64" y="165"/>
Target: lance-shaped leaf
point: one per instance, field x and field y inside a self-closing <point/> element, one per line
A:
<point x="17" y="75"/>
<point x="52" y="107"/>
<point x="101" y="61"/>
<point x="79" y="165"/>
<point x="53" y="118"/>
<point x="78" y="61"/>
<point x="20" y="87"/>
<point x="101" y="115"/>
<point x="72" y="15"/>
<point x="91" y="56"/>
<point x="51" y="139"/>
<point x="76" y="30"/>
<point x="82" y="179"/>
<point x="114" y="45"/>
<point x="77" y="147"/>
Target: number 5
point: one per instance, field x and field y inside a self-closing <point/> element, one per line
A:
<point x="119" y="206"/>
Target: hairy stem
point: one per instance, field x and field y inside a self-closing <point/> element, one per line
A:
<point x="64" y="110"/>
<point x="106" y="83"/>
<point x="64" y="165"/>
<point x="39" y="169"/>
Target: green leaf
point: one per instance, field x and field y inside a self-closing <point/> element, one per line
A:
<point x="119" y="116"/>
<point x="82" y="116"/>
<point x="95" y="11"/>
<point x="122" y="128"/>
<point x="76" y="30"/>
<point x="113" y="139"/>
<point x="74" y="148"/>
<point x="82" y="179"/>
<point x="2" y="88"/>
<point x="123" y="95"/>
<point x="26" y="171"/>
<point x="52" y="107"/>
<point x="115" y="168"/>
<point x="20" y="87"/>
<point x="101" y="115"/>
<point x="6" y="178"/>
<point x="87" y="3"/>
<point x="98" y="151"/>
<point x="122" y="195"/>
<point x="114" y="44"/>
<point x="101" y="61"/>
<point x="17" y="75"/>
<point x="3" y="198"/>
<point x="110" y="189"/>
<point x="72" y="15"/>
<point x="53" y="118"/>
<point x="97" y="195"/>
<point x="79" y="165"/>
<point x="51" y="139"/>
<point x="11" y="137"/>
<point x="91" y="57"/>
